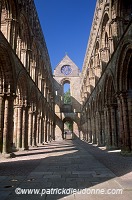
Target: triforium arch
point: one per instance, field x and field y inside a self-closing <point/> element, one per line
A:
<point x="8" y="10"/>
<point x="104" y="40"/>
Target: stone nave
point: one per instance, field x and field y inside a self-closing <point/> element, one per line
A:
<point x="32" y="108"/>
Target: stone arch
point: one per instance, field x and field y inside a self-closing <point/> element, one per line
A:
<point x="23" y="41"/>
<point x="124" y="83"/>
<point x="125" y="10"/>
<point x="109" y="90"/>
<point x="34" y="62"/>
<point x="100" y="128"/>
<point x="40" y="122"/>
<point x="40" y="76"/>
<point x="93" y="121"/>
<point x="97" y="61"/>
<point x="91" y="74"/>
<point x="7" y="71"/>
<point x="111" y="113"/>
<point x="104" y="40"/>
<point x="8" y="17"/>
<point x="123" y="68"/>
<point x="32" y="117"/>
<point x="113" y="9"/>
<point x="112" y="43"/>
<point x="20" y="116"/>
<point x="33" y="99"/>
<point x="69" y="128"/>
<point x="22" y="88"/>
<point x="6" y="100"/>
<point x="66" y="82"/>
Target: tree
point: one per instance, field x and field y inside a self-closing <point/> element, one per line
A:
<point x="67" y="97"/>
<point x="69" y="125"/>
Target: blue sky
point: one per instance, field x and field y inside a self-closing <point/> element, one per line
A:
<point x="66" y="26"/>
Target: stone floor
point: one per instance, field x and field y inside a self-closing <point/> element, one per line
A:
<point x="89" y="171"/>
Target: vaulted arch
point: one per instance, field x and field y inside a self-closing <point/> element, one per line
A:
<point x="105" y="41"/>
<point x="6" y="99"/>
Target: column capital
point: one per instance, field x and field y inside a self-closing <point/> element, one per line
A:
<point x="30" y="112"/>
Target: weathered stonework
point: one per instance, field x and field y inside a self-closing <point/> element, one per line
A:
<point x="26" y="82"/>
<point x="32" y="110"/>
<point x="63" y="111"/>
<point x="106" y="87"/>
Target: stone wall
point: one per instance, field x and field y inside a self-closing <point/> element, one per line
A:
<point x="62" y="76"/>
<point x="106" y="87"/>
<point x="27" y="115"/>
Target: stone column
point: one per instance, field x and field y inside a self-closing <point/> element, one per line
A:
<point x="127" y="144"/>
<point x="6" y="126"/>
<point x="109" y="130"/>
<point x="98" y="128"/>
<point x="94" y="131"/>
<point x="19" y="127"/>
<point x="102" y="127"/>
<point x="90" y="130"/>
<point x="54" y="130"/>
<point x="46" y="130"/>
<point x="28" y="55"/>
<point x="114" y="126"/>
<point x="86" y="126"/>
<point x="24" y="131"/>
<point x="43" y="131"/>
<point x="40" y="130"/>
<point x="8" y="21"/>
<point x="129" y="100"/>
<point x="18" y="50"/>
<point x="15" y="126"/>
<point x="23" y="57"/>
<point x="121" y="131"/>
<point x="30" y="119"/>
<point x="1" y="121"/>
<point x="106" y="125"/>
<point x="34" y="130"/>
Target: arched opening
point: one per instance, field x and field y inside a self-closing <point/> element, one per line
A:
<point x="100" y="125"/>
<point x="124" y="75"/>
<point x="32" y="118"/>
<point x="91" y="75"/>
<point x="20" y="116"/>
<point x="97" y="63"/>
<point x="129" y="76"/>
<point x="6" y="102"/>
<point x="66" y="93"/>
<point x="67" y="128"/>
<point x="8" y="21"/>
<point x="125" y="10"/>
<point x="112" y="115"/>
<point x="105" y="41"/>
